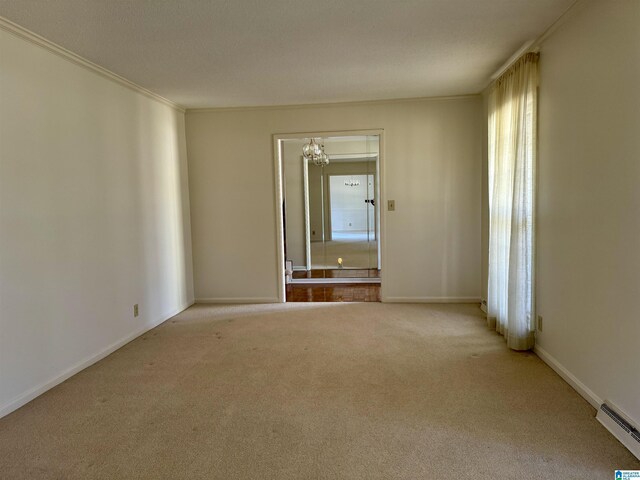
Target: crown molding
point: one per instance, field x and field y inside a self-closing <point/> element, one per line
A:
<point x="568" y="14"/>
<point x="331" y="104"/>
<point x="526" y="47"/>
<point x="34" y="38"/>
<point x="534" y="45"/>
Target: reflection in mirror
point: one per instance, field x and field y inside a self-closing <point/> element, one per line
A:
<point x="331" y="211"/>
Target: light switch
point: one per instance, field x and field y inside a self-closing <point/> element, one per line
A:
<point x="391" y="205"/>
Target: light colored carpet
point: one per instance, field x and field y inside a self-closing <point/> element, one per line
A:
<point x="313" y="391"/>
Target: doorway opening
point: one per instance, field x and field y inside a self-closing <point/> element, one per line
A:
<point x="330" y="235"/>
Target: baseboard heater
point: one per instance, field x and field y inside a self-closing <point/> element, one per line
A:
<point x="620" y="427"/>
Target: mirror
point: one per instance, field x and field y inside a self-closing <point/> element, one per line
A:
<point x="332" y="211"/>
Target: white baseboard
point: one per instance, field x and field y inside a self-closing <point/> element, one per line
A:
<point x="239" y="300"/>
<point x="569" y="377"/>
<point x="595" y="401"/>
<point x="430" y="299"/>
<point x="38" y="390"/>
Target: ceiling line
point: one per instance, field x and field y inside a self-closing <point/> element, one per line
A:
<point x="34" y="38"/>
<point x="534" y="45"/>
<point x="335" y="104"/>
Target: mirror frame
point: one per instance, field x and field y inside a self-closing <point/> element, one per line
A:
<point x="277" y="139"/>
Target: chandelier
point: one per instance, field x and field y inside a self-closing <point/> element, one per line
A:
<point x="314" y="152"/>
<point x="352" y="183"/>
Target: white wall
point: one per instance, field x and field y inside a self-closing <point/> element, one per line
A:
<point x="589" y="200"/>
<point x="432" y="169"/>
<point x="94" y="217"/>
<point x="347" y="207"/>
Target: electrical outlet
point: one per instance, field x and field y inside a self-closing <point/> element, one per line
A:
<point x="135" y="310"/>
<point x="391" y="205"/>
<point x="539" y="323"/>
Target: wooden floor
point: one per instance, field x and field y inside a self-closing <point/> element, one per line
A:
<point x="342" y="292"/>
<point x="333" y="293"/>
<point x="338" y="273"/>
<point x="339" y="292"/>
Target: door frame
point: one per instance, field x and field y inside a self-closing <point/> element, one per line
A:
<point x="279" y="197"/>
<point x="307" y="215"/>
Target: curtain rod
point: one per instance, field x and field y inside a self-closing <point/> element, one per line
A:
<point x="512" y="59"/>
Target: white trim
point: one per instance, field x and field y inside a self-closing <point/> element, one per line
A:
<point x="523" y="49"/>
<point x="382" y="210"/>
<point x="430" y="299"/>
<point x="325" y="185"/>
<point x="279" y="199"/>
<point x="307" y="214"/>
<point x="569" y="13"/>
<point x="569" y="377"/>
<point x="332" y="104"/>
<point x="238" y="300"/>
<point x="354" y="156"/>
<point x="534" y="44"/>
<point x="38" y="390"/>
<point x="377" y="193"/>
<point x="330" y="133"/>
<point x="34" y="38"/>
<point x="277" y="162"/>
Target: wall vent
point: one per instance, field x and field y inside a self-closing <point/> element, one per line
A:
<point x="620" y="427"/>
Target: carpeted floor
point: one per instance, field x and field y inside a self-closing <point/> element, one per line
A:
<point x="313" y="391"/>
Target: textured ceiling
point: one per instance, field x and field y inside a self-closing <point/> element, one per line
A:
<point x="215" y="53"/>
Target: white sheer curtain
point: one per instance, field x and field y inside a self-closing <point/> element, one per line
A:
<point x="512" y="173"/>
